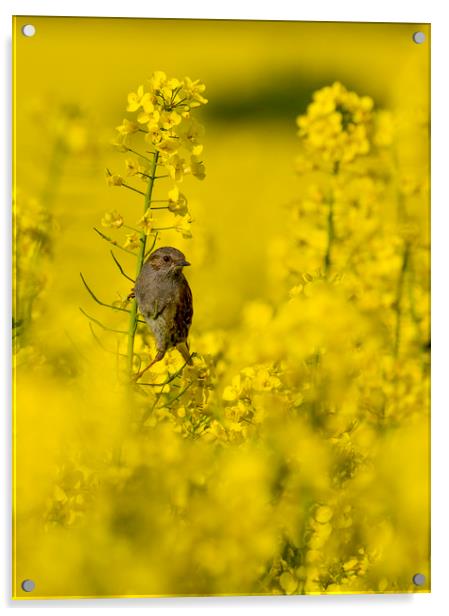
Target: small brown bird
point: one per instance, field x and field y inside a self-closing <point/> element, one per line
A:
<point x="165" y="300"/>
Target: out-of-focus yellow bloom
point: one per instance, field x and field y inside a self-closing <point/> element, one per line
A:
<point x="288" y="582"/>
<point x="197" y="167"/>
<point x="157" y="80"/>
<point x="176" y="167"/>
<point x="132" y="241"/>
<point x="194" y="90"/>
<point x="35" y="232"/>
<point x="337" y="125"/>
<point x="323" y="514"/>
<point x="384" y="128"/>
<point x="183" y="227"/>
<point x="177" y="202"/>
<point x="127" y="128"/>
<point x="112" y="219"/>
<point x="167" y="147"/>
<point x="294" y="414"/>
<point x="191" y="132"/>
<point x="147" y="222"/>
<point x="257" y="315"/>
<point x="113" y="179"/>
<point x="134" y="167"/>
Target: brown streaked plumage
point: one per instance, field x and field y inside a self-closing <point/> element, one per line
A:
<point x="165" y="300"/>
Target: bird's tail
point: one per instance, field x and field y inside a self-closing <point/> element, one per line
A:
<point x="184" y="350"/>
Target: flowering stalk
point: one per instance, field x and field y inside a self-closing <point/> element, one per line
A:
<point x="140" y="259"/>
<point x="330" y="235"/>
<point x="164" y="122"/>
<point x="330" y="225"/>
<point x="335" y="131"/>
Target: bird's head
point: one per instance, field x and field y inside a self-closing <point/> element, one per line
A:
<point x="168" y="260"/>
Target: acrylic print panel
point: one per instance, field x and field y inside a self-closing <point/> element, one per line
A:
<point x="277" y="442"/>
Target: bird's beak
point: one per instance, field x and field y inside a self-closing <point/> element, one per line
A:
<point x="182" y="263"/>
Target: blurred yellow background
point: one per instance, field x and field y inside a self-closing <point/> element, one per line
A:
<point x="256" y="91"/>
<point x="71" y="81"/>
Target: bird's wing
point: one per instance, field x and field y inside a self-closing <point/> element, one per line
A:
<point x="151" y="302"/>
<point x="151" y="308"/>
<point x="184" y="311"/>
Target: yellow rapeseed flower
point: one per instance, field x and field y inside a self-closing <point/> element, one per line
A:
<point x="132" y="241"/>
<point x="113" y="179"/>
<point x="183" y="227"/>
<point x="112" y="219"/>
<point x="197" y="167"/>
<point x="337" y="126"/>
<point x="127" y="127"/>
<point x="146" y="223"/>
<point x="177" y="202"/>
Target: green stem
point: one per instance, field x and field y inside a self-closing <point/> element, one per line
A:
<point x="100" y="324"/>
<point x="171" y="400"/>
<point x="121" y="270"/>
<point x="330" y="236"/>
<point x="139" y="192"/>
<point x="139" y="154"/>
<point x="153" y="244"/>
<point x="140" y="259"/>
<point x="113" y="242"/>
<point x="330" y="225"/>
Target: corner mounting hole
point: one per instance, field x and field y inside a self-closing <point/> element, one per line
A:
<point x="419" y="37"/>
<point x="28" y="30"/>
<point x="28" y="585"/>
<point x="419" y="579"/>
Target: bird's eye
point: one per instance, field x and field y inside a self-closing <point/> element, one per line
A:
<point x="166" y="259"/>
